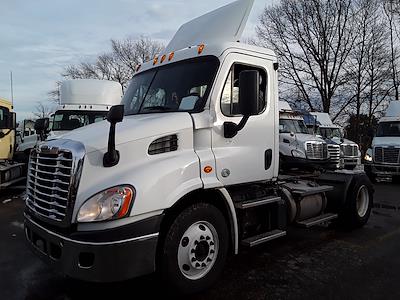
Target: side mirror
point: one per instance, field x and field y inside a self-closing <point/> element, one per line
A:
<point x="249" y="95"/>
<point x="114" y="116"/>
<point x="249" y="92"/>
<point x="41" y="126"/>
<point x="12" y="121"/>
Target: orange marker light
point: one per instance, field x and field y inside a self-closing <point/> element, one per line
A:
<point x="155" y="60"/>
<point x="208" y="169"/>
<point x="171" y="56"/>
<point x="201" y="48"/>
<point x="163" y="58"/>
<point x="138" y="68"/>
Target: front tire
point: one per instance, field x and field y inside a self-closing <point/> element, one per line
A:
<point x="194" y="249"/>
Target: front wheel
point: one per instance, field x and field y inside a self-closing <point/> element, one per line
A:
<point x="357" y="209"/>
<point x="194" y="249"/>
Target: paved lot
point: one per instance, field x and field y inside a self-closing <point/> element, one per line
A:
<point x="321" y="263"/>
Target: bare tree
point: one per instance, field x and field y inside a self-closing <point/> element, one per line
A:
<point x="42" y="110"/>
<point x="313" y="39"/>
<point x="119" y="64"/>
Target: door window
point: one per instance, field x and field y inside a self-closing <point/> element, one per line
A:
<point x="230" y="92"/>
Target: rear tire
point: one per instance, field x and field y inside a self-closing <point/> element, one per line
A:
<point x="194" y="250"/>
<point x="359" y="203"/>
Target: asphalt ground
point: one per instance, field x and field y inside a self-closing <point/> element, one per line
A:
<point x="321" y="263"/>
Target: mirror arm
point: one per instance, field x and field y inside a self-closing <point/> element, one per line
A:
<point x="111" y="158"/>
<point x="231" y="129"/>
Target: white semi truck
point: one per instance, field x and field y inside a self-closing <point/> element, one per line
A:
<point x="297" y="147"/>
<point x="82" y="102"/>
<point x="189" y="172"/>
<point x="383" y="159"/>
<point x="348" y="153"/>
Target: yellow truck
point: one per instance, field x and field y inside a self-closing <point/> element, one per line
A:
<point x="10" y="171"/>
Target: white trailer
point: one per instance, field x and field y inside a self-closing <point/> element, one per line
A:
<point x="82" y="102"/>
<point x="383" y="159"/>
<point x="189" y="172"/>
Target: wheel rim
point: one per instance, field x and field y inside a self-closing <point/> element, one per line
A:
<point x="362" y="201"/>
<point x="198" y="250"/>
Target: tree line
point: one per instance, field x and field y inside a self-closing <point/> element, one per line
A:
<point x="336" y="56"/>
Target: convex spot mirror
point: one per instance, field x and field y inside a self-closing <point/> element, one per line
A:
<point x="116" y="114"/>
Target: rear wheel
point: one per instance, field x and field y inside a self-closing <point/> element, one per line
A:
<point x="359" y="204"/>
<point x="195" y="249"/>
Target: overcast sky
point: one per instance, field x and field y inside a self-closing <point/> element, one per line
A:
<point x="39" y="38"/>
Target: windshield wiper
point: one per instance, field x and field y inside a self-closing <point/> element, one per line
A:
<point x="162" y="108"/>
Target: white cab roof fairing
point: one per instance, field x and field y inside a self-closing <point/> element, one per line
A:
<point x="284" y="106"/>
<point x="324" y="120"/>
<point x="225" y="24"/>
<point x="90" y="92"/>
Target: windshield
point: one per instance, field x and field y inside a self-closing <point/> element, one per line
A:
<point x="329" y="133"/>
<point x="295" y="126"/>
<point x="388" y="129"/>
<point x="183" y="86"/>
<point x="66" y="120"/>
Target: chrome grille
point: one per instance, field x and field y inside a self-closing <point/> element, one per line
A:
<point x="49" y="179"/>
<point x="316" y="150"/>
<point x="334" y="153"/>
<point x="349" y="150"/>
<point x="388" y="155"/>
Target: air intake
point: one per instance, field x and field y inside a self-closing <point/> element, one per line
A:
<point x="163" y="145"/>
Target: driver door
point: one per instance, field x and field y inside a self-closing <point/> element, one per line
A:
<point x="251" y="155"/>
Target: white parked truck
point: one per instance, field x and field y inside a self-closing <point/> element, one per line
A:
<point x="82" y="102"/>
<point x="383" y="159"/>
<point x="189" y="172"/>
<point x="349" y="153"/>
<point x="297" y="147"/>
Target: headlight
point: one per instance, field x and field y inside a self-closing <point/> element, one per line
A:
<point x="368" y="157"/>
<point x="298" y="154"/>
<point x="111" y="204"/>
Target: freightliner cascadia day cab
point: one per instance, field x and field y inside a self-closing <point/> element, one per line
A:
<point x="383" y="159"/>
<point x="297" y="147"/>
<point x="348" y="154"/>
<point x="82" y="102"/>
<point x="11" y="172"/>
<point x="189" y="172"/>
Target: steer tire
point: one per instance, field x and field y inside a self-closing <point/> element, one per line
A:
<point x="172" y="275"/>
<point x="359" y="203"/>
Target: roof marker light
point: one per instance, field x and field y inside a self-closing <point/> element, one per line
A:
<point x="163" y="58"/>
<point x="138" y="68"/>
<point x="171" y="56"/>
<point x="155" y="60"/>
<point x="201" y="48"/>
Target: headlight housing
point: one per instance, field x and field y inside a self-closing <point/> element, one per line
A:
<point x="111" y="204"/>
<point x="298" y="154"/>
<point x="368" y="157"/>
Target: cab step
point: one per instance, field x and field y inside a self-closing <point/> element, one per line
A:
<point x="262" y="238"/>
<point x="317" y="220"/>
<point x="257" y="202"/>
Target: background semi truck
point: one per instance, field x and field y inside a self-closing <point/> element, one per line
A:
<point x="348" y="154"/>
<point x="297" y="146"/>
<point x="82" y="102"/>
<point x="383" y="159"/>
<point x="10" y="172"/>
<point x="189" y="172"/>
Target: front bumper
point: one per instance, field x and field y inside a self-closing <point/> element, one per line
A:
<point x="91" y="257"/>
<point x="382" y="169"/>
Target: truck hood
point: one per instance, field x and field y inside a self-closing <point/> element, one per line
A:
<point x="136" y="127"/>
<point x="303" y="137"/>
<point x="386" y="141"/>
